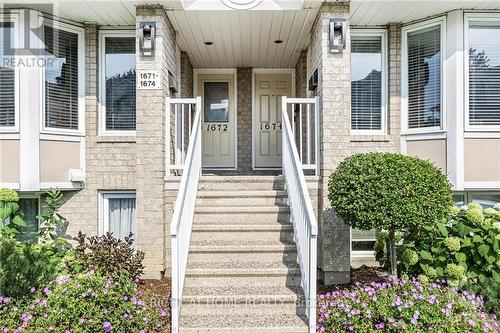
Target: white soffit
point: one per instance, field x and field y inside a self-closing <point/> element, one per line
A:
<point x="381" y="12"/>
<point x="243" y="38"/>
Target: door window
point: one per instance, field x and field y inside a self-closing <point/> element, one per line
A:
<point x="216" y="102"/>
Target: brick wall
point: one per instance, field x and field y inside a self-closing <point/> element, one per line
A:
<point x="301" y="75"/>
<point x="152" y="217"/>
<point x="244" y="112"/>
<point x="109" y="162"/>
<point x="186" y="76"/>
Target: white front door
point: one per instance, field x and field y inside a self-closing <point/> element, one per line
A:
<point x="218" y="120"/>
<point x="269" y="88"/>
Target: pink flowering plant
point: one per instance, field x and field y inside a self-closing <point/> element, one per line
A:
<point x="87" y="302"/>
<point x="402" y="305"/>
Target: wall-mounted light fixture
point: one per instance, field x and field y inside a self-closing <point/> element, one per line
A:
<point x="338" y="34"/>
<point x="147" y="34"/>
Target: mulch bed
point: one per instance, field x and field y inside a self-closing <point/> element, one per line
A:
<point x="157" y="296"/>
<point x="362" y="275"/>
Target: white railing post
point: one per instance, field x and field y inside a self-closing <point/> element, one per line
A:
<point x="167" y="136"/>
<point x="182" y="218"/>
<point x="317" y="135"/>
<point x="302" y="215"/>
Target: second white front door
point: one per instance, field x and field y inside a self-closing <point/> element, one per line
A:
<point x="218" y="120"/>
<point x="269" y="89"/>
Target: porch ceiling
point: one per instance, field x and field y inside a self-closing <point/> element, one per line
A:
<point x="381" y="12"/>
<point x="243" y="38"/>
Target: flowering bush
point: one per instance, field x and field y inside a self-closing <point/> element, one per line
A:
<point x="81" y="303"/>
<point x="464" y="248"/>
<point x="403" y="306"/>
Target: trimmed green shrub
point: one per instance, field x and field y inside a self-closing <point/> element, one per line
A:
<point x="409" y="306"/>
<point x="26" y="265"/>
<point x="108" y="255"/>
<point x="389" y="191"/>
<point x="82" y="303"/>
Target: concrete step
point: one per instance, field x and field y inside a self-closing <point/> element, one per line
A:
<point x="231" y="183"/>
<point x="239" y="198"/>
<point x="243" y="232"/>
<point x="241" y="215"/>
<point x="233" y="252"/>
<point x="243" y="323"/>
<point x="243" y="274"/>
<point x="243" y="300"/>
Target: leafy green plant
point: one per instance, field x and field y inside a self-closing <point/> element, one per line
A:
<point x="490" y="290"/>
<point x="25" y="265"/>
<point x="82" y="303"/>
<point x="108" y="255"/>
<point x="463" y="248"/>
<point x="11" y="222"/>
<point x="391" y="192"/>
<point x="410" y="306"/>
<point x="51" y="222"/>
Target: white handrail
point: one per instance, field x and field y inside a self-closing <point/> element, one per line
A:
<point x="182" y="219"/>
<point x="302" y="215"/>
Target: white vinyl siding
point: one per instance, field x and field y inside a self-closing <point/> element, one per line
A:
<point x="368" y="83"/>
<point x="483" y="84"/>
<point x="118" y="83"/>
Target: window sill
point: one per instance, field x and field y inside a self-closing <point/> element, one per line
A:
<point x="370" y="138"/>
<point x="116" y="138"/>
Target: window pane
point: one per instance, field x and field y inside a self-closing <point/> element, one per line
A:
<point x="363" y="240"/>
<point x="459" y="199"/>
<point x="484" y="199"/>
<point x="61" y="79"/>
<point x="29" y="208"/>
<point x="424" y="78"/>
<point x="120" y="83"/>
<point x="366" y="83"/>
<point x="122" y="217"/>
<point x="216" y="102"/>
<point x="484" y="74"/>
<point x="7" y="77"/>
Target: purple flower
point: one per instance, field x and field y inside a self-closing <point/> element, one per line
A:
<point x="380" y="326"/>
<point x="47" y="291"/>
<point x="32" y="289"/>
<point x="26" y="317"/>
<point x="107" y="326"/>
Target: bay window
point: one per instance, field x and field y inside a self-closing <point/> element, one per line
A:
<point x="368" y="82"/>
<point x="63" y="78"/>
<point x="423" y="72"/>
<point x="483" y="83"/>
<point x="118" y="79"/>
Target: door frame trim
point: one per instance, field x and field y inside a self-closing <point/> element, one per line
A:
<point x="233" y="71"/>
<point x="266" y="71"/>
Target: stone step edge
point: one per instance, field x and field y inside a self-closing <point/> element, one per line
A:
<point x="270" y="329"/>
<point x="241" y="193"/>
<point x="241" y="228"/>
<point x="241" y="209"/>
<point x="242" y="248"/>
<point x="228" y="272"/>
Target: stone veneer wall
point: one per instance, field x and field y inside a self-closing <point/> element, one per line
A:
<point x="244" y="114"/>
<point x="109" y="161"/>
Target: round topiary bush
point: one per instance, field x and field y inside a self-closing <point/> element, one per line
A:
<point x="389" y="191"/>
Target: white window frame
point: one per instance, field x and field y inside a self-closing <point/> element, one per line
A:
<point x="358" y="253"/>
<point x="81" y="79"/>
<point x="468" y="18"/>
<point x="102" y="81"/>
<point x="385" y="83"/>
<point x="104" y="197"/>
<point x="441" y="21"/>
<point x="13" y="17"/>
<point x="469" y="193"/>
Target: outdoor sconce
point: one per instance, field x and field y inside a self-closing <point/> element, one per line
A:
<point x="147" y="33"/>
<point x="338" y="33"/>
